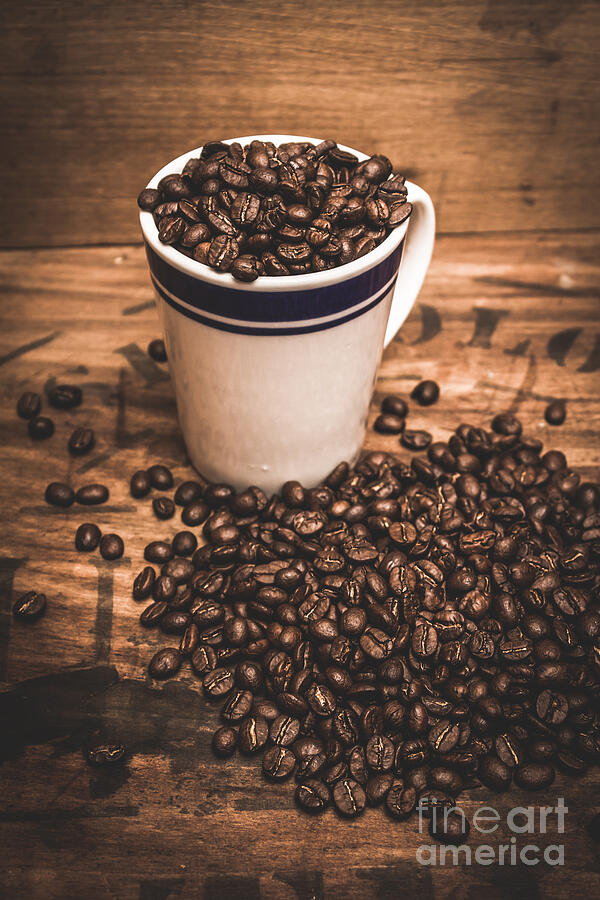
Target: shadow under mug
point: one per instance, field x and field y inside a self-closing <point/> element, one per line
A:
<point x="273" y="379"/>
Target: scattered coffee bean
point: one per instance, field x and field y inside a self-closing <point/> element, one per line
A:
<point x="388" y="423"/>
<point x="394" y="406"/>
<point x="58" y="494"/>
<point x="556" y="412"/>
<point x="106" y="754"/>
<point x="157" y="351"/>
<point x="349" y="797"/>
<point x="65" y="396"/>
<point x="29" y="405"/>
<point x="92" y="494"/>
<point x="188" y="492"/>
<point x="163" y="507"/>
<point x="139" y="484"/>
<point x="87" y="537"/>
<point x="312" y="795"/>
<point x="195" y="513"/>
<point x="426" y="392"/>
<point x="111" y="546"/>
<point x="40" y="428"/>
<point x="165" y="663"/>
<point x="81" y="441"/>
<point x="143" y="584"/>
<point x="29" y="607"/>
<point x="160" y="477"/>
<point x="415" y="440"/>
<point x="278" y="763"/>
<point x="224" y="741"/>
<point x="534" y="776"/>
<point x="184" y="543"/>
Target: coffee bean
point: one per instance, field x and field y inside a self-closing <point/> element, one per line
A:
<point x="29" y="405"/>
<point x="165" y="663"/>
<point x="58" y="494"/>
<point x="29" y="607"/>
<point x="444" y="736"/>
<point x="398" y="214"/>
<point x="111" y="546"/>
<point x="106" y="754"/>
<point x="156" y="348"/>
<point x="380" y="752"/>
<point x="218" y="682"/>
<point x="160" y="477"/>
<point x="494" y="773"/>
<point x="184" y="543"/>
<point x="534" y="776"/>
<point x="556" y="412"/>
<point x="416" y="440"/>
<point x="65" y="396"/>
<point x="87" y="537"/>
<point x="426" y="393"/>
<point x="163" y="507"/>
<point x="158" y="552"/>
<point x="40" y="428"/>
<point x="195" y="513"/>
<point x="246" y="268"/>
<point x="387" y="423"/>
<point x="187" y="492"/>
<point x="312" y="795"/>
<point x="81" y="441"/>
<point x="349" y="797"/>
<point x="224" y="741"/>
<point x="253" y="734"/>
<point x="92" y="494"/>
<point x="400" y="801"/>
<point x="278" y="763"/>
<point x="139" y="484"/>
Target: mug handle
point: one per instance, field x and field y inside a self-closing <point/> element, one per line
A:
<point x="418" y="247"/>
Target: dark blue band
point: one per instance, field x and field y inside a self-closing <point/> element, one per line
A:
<point x="238" y="328"/>
<point x="279" y="306"/>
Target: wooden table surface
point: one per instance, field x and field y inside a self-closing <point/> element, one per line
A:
<point x="502" y="323"/>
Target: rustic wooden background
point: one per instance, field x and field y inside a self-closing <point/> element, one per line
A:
<point x="492" y="105"/>
<point x="502" y="323"/>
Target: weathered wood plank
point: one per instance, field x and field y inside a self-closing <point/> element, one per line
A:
<point x="492" y="107"/>
<point x="175" y="823"/>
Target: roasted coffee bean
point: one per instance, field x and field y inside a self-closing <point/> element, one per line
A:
<point x="87" y="538"/>
<point x="556" y="412"/>
<point x="163" y="507"/>
<point x="388" y="423"/>
<point x="534" y="776"/>
<point x="218" y="682"/>
<point x="494" y="773"/>
<point x="184" y="543"/>
<point x="278" y="763"/>
<point x="92" y="494"/>
<point x="312" y="795"/>
<point x="106" y="754"/>
<point x="195" y="513"/>
<point x="40" y="428"/>
<point x="426" y="393"/>
<point x="158" y="552"/>
<point x="187" y="492"/>
<point x="399" y="213"/>
<point x="416" y="440"/>
<point x="81" y="441"/>
<point x="380" y="753"/>
<point x="111" y="546"/>
<point x="394" y="405"/>
<point x="400" y="801"/>
<point x="156" y="349"/>
<point x="59" y="494"/>
<point x="444" y="736"/>
<point x="148" y="199"/>
<point x="253" y="734"/>
<point x="140" y="485"/>
<point x="165" y="663"/>
<point x="224" y="741"/>
<point x="449" y="827"/>
<point x="143" y="583"/>
<point x="29" y="405"/>
<point x="65" y="396"/>
<point x="160" y="477"/>
<point x="349" y="797"/>
<point x="246" y="268"/>
<point x="29" y="607"/>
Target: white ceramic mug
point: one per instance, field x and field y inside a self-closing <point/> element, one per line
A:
<point x="273" y="379"/>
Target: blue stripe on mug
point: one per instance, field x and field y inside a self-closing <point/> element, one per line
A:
<point x="243" y="328"/>
<point x="277" y="306"/>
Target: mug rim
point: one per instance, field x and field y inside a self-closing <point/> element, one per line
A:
<point x="267" y="283"/>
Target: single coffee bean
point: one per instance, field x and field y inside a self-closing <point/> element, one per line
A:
<point x="394" y="406"/>
<point x="534" y="776"/>
<point x="184" y="543"/>
<point x="111" y="546"/>
<point x="165" y="663"/>
<point x="494" y="773"/>
<point x="143" y="583"/>
<point x="87" y="537"/>
<point x="245" y="268"/>
<point x="556" y="412"/>
<point x="156" y="349"/>
<point x="388" y="423"/>
<point x="312" y="795"/>
<point x="81" y="441"/>
<point x="139" y="484"/>
<point x="29" y="405"/>
<point x="426" y="392"/>
<point x="253" y="734"/>
<point x="160" y="477"/>
<point x="65" y="396"/>
<point x="163" y="507"/>
<point x="195" y="513"/>
<point x="92" y="494"/>
<point x="224" y="741"/>
<point x="106" y="754"/>
<point x="415" y="440"/>
<point x="148" y="199"/>
<point x="399" y="213"/>
<point x="278" y="763"/>
<point x="40" y="428"/>
<point x="29" y="607"/>
<point x="349" y="797"/>
<point x="187" y="492"/>
<point x="158" y="552"/>
<point x="58" y="494"/>
<point x="400" y="801"/>
<point x="218" y="682"/>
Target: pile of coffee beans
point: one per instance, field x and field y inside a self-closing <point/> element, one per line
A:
<point x="264" y="209"/>
<point x="400" y="632"/>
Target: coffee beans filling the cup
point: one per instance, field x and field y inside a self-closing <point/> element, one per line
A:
<point x="263" y="209"/>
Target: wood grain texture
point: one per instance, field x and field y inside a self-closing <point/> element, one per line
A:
<point x="501" y="323"/>
<point x="491" y="105"/>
